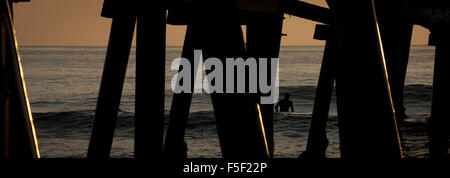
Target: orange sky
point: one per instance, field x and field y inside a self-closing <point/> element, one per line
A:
<point x="78" y="23"/>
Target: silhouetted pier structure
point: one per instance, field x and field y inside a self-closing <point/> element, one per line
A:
<point x="395" y="23"/>
<point x="364" y="46"/>
<point x="366" y="55"/>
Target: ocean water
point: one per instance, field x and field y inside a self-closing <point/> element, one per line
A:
<point x="63" y="84"/>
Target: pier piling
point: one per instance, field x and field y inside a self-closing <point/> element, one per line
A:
<point x="237" y="115"/>
<point x="174" y="145"/>
<point x="367" y="123"/>
<point x="17" y="132"/>
<point x="150" y="84"/>
<point x="439" y="121"/>
<point x="396" y="33"/>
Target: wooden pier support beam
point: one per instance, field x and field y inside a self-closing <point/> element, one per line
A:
<point x="150" y="84"/>
<point x="174" y="144"/>
<point x="306" y="10"/>
<point x="440" y="122"/>
<point x="396" y="33"/>
<point x="367" y="123"/>
<point x="111" y="86"/>
<point x="317" y="138"/>
<point x="264" y="31"/>
<point x="11" y="8"/>
<point x="237" y="116"/>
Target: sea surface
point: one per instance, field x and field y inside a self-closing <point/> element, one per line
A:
<point x="63" y="84"/>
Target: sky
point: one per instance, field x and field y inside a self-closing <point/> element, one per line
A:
<point x="78" y="23"/>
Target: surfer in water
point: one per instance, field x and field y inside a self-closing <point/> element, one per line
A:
<point x="285" y="104"/>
